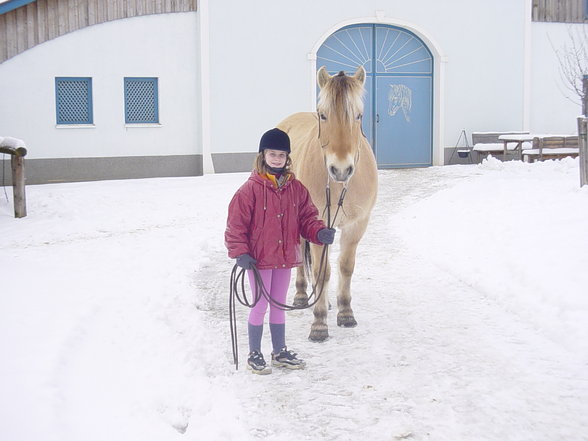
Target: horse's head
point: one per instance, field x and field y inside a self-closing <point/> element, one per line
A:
<point x="340" y="109"/>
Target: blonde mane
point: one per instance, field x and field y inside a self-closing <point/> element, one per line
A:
<point x="342" y="97"/>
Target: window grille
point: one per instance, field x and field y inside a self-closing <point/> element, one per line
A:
<point x="141" y="101"/>
<point x="73" y="100"/>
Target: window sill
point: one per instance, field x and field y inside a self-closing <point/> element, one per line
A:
<point x="143" y="125"/>
<point x="75" y="126"/>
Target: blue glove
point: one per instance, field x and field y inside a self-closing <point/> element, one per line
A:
<point x="245" y="261"/>
<point x="326" y="236"/>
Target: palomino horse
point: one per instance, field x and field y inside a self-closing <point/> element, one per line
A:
<point x="328" y="148"/>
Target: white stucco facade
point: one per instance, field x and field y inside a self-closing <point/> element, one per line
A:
<point x="554" y="107"/>
<point x="165" y="46"/>
<point x="233" y="69"/>
<point x="473" y="89"/>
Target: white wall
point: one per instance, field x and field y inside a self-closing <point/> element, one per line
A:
<point x="554" y="108"/>
<point x="260" y="70"/>
<point x="164" y="46"/>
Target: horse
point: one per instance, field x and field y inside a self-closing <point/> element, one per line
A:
<point x="329" y="149"/>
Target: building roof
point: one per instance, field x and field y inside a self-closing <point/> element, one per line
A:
<point x="9" y="5"/>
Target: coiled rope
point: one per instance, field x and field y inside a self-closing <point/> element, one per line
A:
<point x="237" y="283"/>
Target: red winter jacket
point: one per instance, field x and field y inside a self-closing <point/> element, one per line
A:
<point x="266" y="222"/>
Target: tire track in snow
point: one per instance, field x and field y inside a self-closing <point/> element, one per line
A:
<point x="431" y="359"/>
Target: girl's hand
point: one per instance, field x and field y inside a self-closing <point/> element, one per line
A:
<point x="245" y="261"/>
<point x="326" y="236"/>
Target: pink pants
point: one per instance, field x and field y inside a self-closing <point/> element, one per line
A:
<point x="276" y="283"/>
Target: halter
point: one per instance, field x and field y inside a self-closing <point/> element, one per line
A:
<point x="328" y="184"/>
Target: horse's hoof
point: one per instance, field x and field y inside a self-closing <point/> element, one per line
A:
<point x="319" y="334"/>
<point x="346" y="321"/>
<point x="300" y="300"/>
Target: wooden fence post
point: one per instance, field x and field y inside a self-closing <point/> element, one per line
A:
<point x="583" y="144"/>
<point x="18" y="186"/>
<point x="18" y="179"/>
<point x="585" y="95"/>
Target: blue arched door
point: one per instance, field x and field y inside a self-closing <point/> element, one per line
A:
<point x="398" y="116"/>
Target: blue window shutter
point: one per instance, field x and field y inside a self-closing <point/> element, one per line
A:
<point x="141" y="100"/>
<point x="73" y="100"/>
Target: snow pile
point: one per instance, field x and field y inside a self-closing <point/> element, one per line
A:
<point x="517" y="234"/>
<point x="469" y="292"/>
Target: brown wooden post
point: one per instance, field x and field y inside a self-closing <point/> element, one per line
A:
<point x="18" y="179"/>
<point x="585" y="95"/>
<point x="583" y="145"/>
<point x="18" y="185"/>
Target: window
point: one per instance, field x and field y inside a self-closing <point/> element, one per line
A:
<point x="73" y="98"/>
<point x="141" y="101"/>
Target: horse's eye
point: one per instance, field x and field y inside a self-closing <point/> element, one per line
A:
<point x="323" y="117"/>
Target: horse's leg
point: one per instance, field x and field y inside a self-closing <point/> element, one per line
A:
<point x="319" y="330"/>
<point x="301" y="297"/>
<point x="350" y="237"/>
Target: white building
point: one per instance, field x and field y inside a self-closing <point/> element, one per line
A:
<point x="141" y="88"/>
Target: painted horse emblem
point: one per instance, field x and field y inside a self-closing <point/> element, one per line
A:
<point x="400" y="97"/>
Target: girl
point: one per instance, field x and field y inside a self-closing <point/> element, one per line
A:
<point x="267" y="216"/>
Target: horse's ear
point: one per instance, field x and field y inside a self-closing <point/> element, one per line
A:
<point x="360" y="74"/>
<point x="322" y="77"/>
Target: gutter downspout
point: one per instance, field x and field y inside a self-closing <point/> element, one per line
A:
<point x="205" y="138"/>
<point x="527" y="64"/>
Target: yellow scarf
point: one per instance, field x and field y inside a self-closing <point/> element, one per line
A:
<point x="277" y="182"/>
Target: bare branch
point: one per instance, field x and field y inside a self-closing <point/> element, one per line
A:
<point x="573" y="61"/>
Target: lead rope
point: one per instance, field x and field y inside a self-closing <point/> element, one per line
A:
<point x="237" y="283"/>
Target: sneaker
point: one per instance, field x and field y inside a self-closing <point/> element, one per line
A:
<point x="287" y="359"/>
<point x="257" y="364"/>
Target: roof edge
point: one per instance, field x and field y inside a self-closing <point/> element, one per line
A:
<point x="11" y="5"/>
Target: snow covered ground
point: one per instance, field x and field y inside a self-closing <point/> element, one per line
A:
<point x="470" y="293"/>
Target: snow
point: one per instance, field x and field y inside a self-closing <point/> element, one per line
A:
<point x="8" y="141"/>
<point x="470" y="293"/>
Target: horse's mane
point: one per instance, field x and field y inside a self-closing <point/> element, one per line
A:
<point x="342" y="96"/>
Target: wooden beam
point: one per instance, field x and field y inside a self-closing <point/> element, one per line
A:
<point x="42" y="20"/>
<point x="31" y="24"/>
<point x="18" y="186"/>
<point x="11" y="38"/>
<point x="18" y="179"/>
<point x="3" y="37"/>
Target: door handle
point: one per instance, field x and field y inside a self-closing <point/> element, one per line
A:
<point x="377" y="118"/>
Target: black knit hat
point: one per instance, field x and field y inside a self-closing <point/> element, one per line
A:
<point x="275" y="139"/>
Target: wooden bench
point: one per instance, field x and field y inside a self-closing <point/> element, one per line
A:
<point x="486" y="143"/>
<point x="552" y="147"/>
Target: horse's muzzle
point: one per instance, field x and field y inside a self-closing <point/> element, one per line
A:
<point x="341" y="174"/>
